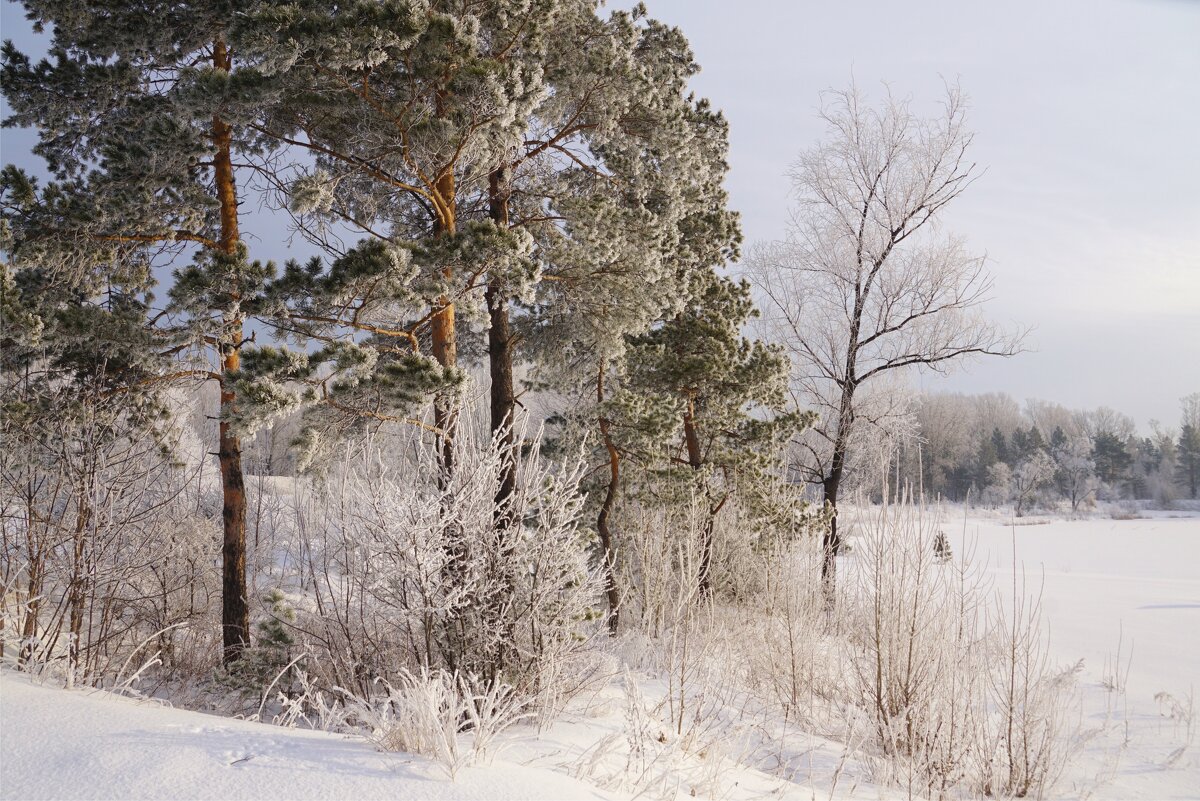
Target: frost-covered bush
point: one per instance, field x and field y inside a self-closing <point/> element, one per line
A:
<point x="915" y="646"/>
<point x="953" y="683"/>
<point x="412" y="570"/>
<point x="103" y="557"/>
<point x="660" y="563"/>
<point x="432" y="712"/>
<point x="790" y="646"/>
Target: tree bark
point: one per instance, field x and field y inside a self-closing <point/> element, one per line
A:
<point x="501" y="393"/>
<point x="691" y="438"/>
<point x="444" y="333"/>
<point x="77" y="589"/>
<point x="500" y="362"/>
<point x="606" y="509"/>
<point x="831" y="543"/>
<point x="33" y="608"/>
<point x="235" y="611"/>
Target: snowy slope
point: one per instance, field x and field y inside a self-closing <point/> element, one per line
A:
<point x="70" y="744"/>
<point x="64" y="744"/>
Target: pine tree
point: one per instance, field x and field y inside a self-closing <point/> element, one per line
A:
<point x="985" y="457"/>
<point x="143" y="113"/>
<point x="516" y="151"/>
<point x="1187" y="455"/>
<point x="498" y="144"/>
<point x="1058" y="440"/>
<point x="729" y="395"/>
<point x="405" y="110"/>
<point x="1033" y="443"/>
<point x="1020" y="449"/>
<point x="139" y="111"/>
<point x="145" y="116"/>
<point x="1111" y="458"/>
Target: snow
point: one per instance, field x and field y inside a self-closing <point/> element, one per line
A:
<point x="71" y="744"/>
<point x="68" y="744"/>
<point x="1132" y="585"/>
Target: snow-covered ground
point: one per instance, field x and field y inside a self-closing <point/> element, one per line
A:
<point x="59" y="744"/>
<point x="1107" y="584"/>
<point x="79" y="744"/>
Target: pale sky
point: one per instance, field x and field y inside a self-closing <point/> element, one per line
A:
<point x="1087" y="115"/>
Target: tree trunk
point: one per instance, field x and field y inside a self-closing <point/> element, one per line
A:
<point x="235" y="611"/>
<point x="606" y="509"/>
<point x="503" y="398"/>
<point x="445" y="416"/>
<point x="500" y="362"/>
<point x="691" y="438"/>
<point x="831" y="543"/>
<point x="33" y="608"/>
<point x="76" y="590"/>
<point x="444" y="334"/>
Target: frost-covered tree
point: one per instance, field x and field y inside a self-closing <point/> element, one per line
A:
<point x="1076" y="470"/>
<point x="519" y="156"/>
<point x="141" y="114"/>
<point x="947" y="444"/>
<point x="487" y="147"/>
<point x="1161" y="485"/>
<point x="1188" y="459"/>
<point x="1048" y="417"/>
<point x="999" y="484"/>
<point x="407" y="110"/>
<point x="626" y="251"/>
<point x="1034" y="473"/>
<point x="864" y="283"/>
<point x="82" y="423"/>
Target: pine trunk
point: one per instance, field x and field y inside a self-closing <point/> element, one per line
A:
<point x="606" y="509"/>
<point x="444" y="334"/>
<point x="503" y="400"/>
<point x="500" y="362"/>
<point x="691" y="439"/>
<point x="235" y="611"/>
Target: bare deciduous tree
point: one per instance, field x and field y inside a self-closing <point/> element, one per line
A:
<point x="864" y="284"/>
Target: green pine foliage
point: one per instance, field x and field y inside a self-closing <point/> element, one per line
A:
<point x="723" y="391"/>
<point x="1111" y="457"/>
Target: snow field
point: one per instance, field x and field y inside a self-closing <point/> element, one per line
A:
<point x="1121" y="595"/>
<point x="1116" y="589"/>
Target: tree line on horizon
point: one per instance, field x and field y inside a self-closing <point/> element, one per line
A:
<point x="989" y="450"/>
